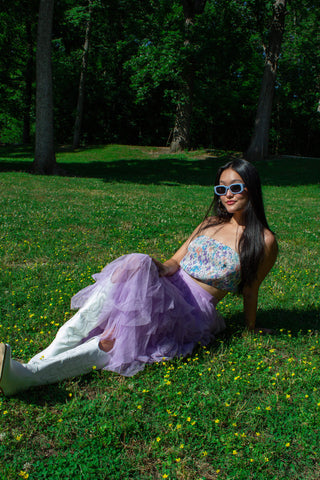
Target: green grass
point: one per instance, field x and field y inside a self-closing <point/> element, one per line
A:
<point x="245" y="407"/>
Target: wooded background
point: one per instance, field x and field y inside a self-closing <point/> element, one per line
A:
<point x="184" y="73"/>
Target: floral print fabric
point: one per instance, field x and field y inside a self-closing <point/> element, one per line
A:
<point x="213" y="263"/>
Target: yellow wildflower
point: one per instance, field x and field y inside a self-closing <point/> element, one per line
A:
<point x="23" y="474"/>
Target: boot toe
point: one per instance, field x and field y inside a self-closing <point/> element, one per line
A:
<point x="4" y="367"/>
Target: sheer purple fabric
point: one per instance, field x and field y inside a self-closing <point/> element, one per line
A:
<point x="150" y="318"/>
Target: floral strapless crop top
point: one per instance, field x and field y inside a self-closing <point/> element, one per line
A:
<point x="213" y="263"/>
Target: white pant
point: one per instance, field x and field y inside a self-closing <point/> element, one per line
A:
<point x="67" y="356"/>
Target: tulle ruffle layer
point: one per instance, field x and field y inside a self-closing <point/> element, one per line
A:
<point x="150" y="318"/>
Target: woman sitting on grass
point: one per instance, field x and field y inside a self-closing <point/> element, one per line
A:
<point x="142" y="311"/>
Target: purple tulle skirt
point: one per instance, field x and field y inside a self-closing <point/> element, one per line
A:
<point x="150" y="318"/>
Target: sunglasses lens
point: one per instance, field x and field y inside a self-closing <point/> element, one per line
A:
<point x="220" y="190"/>
<point x="236" y="188"/>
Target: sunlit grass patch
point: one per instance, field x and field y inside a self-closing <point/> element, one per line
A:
<point x="245" y="407"/>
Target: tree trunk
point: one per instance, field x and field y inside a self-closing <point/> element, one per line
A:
<point x="28" y="86"/>
<point x="44" y="161"/>
<point x="258" y="149"/>
<point x="181" y="131"/>
<point x="84" y="66"/>
<point x="180" y="135"/>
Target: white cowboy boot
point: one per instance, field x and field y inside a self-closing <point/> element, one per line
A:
<point x="77" y="328"/>
<point x="16" y="377"/>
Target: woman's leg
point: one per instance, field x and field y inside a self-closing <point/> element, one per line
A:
<point x="106" y="344"/>
<point x="75" y="330"/>
<point x="16" y="377"/>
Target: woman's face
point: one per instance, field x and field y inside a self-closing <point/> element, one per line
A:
<point x="233" y="202"/>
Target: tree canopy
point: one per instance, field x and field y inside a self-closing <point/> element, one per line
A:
<point x="137" y="64"/>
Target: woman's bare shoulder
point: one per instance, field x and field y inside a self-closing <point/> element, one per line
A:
<point x="271" y="244"/>
<point x="269" y="238"/>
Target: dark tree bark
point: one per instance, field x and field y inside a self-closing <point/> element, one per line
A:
<point x="258" y="149"/>
<point x="180" y="134"/>
<point x="84" y="66"/>
<point x="44" y="161"/>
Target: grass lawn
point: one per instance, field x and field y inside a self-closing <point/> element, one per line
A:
<point x="245" y="407"/>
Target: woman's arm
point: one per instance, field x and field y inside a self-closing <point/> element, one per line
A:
<point x="167" y="268"/>
<point x="250" y="293"/>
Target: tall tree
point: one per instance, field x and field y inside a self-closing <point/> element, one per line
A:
<point x="139" y="56"/>
<point x="258" y="149"/>
<point x="83" y="73"/>
<point x="44" y="160"/>
<point x="180" y="134"/>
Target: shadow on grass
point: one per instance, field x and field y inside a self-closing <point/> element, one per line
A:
<point x="299" y="322"/>
<point x="56" y="393"/>
<point x="167" y="169"/>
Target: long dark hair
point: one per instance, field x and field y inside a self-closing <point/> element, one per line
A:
<point x="251" y="244"/>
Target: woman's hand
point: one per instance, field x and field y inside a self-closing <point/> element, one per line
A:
<point x="166" y="269"/>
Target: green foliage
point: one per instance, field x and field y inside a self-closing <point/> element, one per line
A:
<point x="245" y="407"/>
<point x="15" y="19"/>
<point x="298" y="79"/>
<point x="137" y="62"/>
<point x="159" y="60"/>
